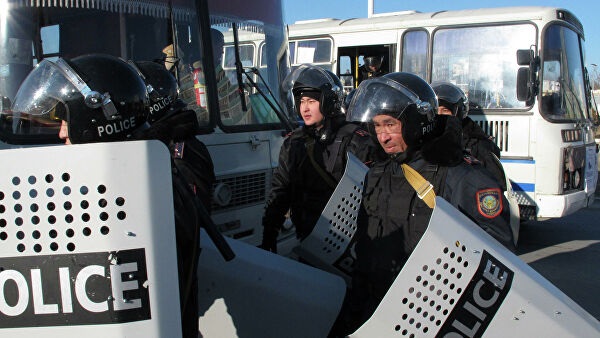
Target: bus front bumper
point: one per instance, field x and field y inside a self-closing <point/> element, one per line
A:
<point x="552" y="206"/>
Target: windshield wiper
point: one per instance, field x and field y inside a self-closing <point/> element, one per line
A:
<point x="573" y="100"/>
<point x="239" y="69"/>
<point x="269" y="99"/>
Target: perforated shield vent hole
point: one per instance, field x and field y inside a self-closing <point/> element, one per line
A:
<point x="434" y="293"/>
<point x="343" y="222"/>
<point x="45" y="214"/>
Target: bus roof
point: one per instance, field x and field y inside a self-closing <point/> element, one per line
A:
<point x="410" y="19"/>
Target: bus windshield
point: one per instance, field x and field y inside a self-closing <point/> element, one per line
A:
<point x="562" y="87"/>
<point x="248" y="95"/>
<point x="483" y="63"/>
<point x="133" y="31"/>
<point x="166" y="32"/>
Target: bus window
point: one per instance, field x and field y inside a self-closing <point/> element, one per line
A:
<point x="246" y="56"/>
<point x="246" y="53"/>
<point x="313" y="51"/>
<point x="345" y="66"/>
<point x="292" y="48"/>
<point x="245" y="103"/>
<point x="263" y="56"/>
<point x="414" y="53"/>
<point x="50" y="37"/>
<point x="563" y="91"/>
<point x="481" y="60"/>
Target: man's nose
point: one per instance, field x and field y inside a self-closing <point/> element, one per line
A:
<point x="383" y="137"/>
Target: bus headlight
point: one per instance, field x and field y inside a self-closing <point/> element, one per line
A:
<point x="573" y="166"/>
<point x="576" y="179"/>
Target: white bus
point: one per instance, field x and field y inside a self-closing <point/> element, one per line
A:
<point x="537" y="107"/>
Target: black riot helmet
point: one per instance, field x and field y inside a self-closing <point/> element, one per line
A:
<point x="101" y="97"/>
<point x="162" y="89"/>
<point x="347" y="100"/>
<point x="403" y="96"/>
<point x="313" y="81"/>
<point x="452" y="97"/>
<point x="373" y="62"/>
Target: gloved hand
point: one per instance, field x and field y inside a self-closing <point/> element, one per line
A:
<point x="269" y="241"/>
<point x="272" y="247"/>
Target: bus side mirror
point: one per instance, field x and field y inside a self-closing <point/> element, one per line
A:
<point x="523" y="89"/>
<point x="524" y="57"/>
<point x="527" y="83"/>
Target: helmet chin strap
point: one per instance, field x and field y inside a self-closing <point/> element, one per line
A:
<point x="322" y="131"/>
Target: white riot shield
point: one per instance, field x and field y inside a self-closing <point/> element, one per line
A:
<point x="513" y="204"/>
<point x="328" y="245"/>
<point x="87" y="240"/>
<point x="262" y="294"/>
<point x="460" y="282"/>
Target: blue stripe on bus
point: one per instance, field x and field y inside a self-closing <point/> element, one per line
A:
<point x="525" y="187"/>
<point x="517" y="161"/>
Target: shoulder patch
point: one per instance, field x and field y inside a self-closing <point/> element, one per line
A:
<point x="178" y="150"/>
<point x="361" y="132"/>
<point x="489" y="202"/>
<point x="470" y="159"/>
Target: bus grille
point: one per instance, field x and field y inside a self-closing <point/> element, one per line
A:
<point x="245" y="190"/>
<point x="497" y="129"/>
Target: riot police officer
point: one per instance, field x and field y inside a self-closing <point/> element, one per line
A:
<point x="401" y="111"/>
<point x="170" y="122"/>
<point x="371" y="67"/>
<point x="102" y="98"/>
<point x="312" y="158"/>
<point x="453" y="101"/>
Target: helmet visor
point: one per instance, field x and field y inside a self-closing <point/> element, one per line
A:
<point x="39" y="104"/>
<point x="381" y="96"/>
<point x="43" y="89"/>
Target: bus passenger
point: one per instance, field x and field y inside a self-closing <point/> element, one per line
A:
<point x="312" y="158"/>
<point x="453" y="101"/>
<point x="401" y="111"/>
<point x="371" y="67"/>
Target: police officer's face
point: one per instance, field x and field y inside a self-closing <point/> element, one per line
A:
<point x="310" y="109"/>
<point x="443" y="110"/>
<point x="389" y="134"/>
<point x="63" y="133"/>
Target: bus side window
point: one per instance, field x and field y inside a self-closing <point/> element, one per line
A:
<point x="314" y="51"/>
<point x="345" y="66"/>
<point x="414" y="52"/>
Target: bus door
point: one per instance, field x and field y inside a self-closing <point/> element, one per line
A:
<point x="350" y="62"/>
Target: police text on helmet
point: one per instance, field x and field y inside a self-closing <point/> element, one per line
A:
<point x="116" y="127"/>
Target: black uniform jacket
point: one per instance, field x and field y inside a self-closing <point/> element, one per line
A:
<point x="309" y="168"/>
<point x="482" y="147"/>
<point x="393" y="219"/>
